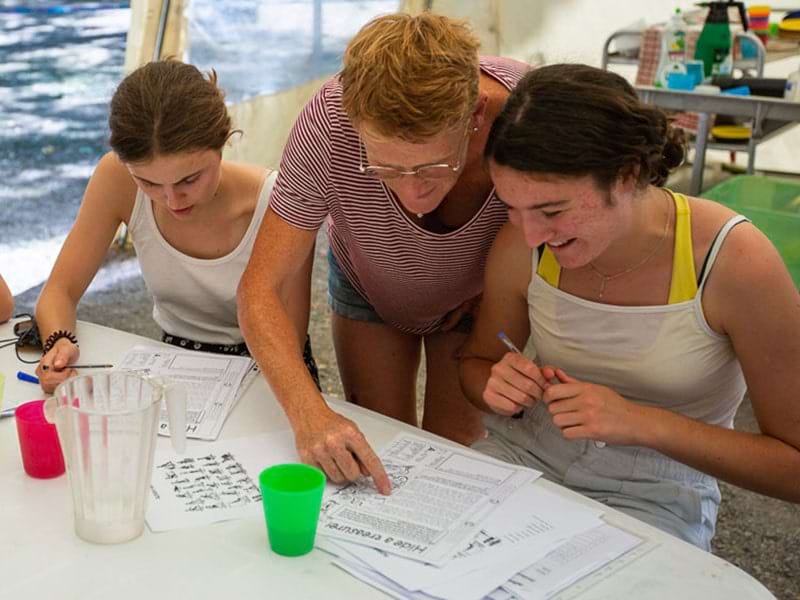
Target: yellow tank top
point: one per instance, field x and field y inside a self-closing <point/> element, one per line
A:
<point x="683" y="285"/>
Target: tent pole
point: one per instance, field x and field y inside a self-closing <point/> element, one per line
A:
<point x="162" y="26"/>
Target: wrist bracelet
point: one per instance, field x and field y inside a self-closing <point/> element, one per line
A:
<point x="57" y="335"/>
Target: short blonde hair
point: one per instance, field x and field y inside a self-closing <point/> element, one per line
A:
<point x="411" y="76"/>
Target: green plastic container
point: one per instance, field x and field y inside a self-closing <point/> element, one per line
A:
<point x="773" y="205"/>
<point x="292" y="497"/>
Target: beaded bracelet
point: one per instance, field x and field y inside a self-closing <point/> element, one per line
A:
<point x="57" y="335"/>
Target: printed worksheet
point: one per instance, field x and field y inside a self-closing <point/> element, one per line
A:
<point x="582" y="555"/>
<point x="526" y="527"/>
<point x="439" y="495"/>
<point x="215" y="481"/>
<point x="214" y="383"/>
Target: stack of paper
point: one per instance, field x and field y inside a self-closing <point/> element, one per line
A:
<point x="461" y="525"/>
<point x="214" y="383"/>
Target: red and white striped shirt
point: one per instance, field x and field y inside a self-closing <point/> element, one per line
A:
<point x="412" y="277"/>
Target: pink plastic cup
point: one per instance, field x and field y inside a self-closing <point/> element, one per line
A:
<point x="38" y="442"/>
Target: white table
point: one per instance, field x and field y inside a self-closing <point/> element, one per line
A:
<point x="41" y="557"/>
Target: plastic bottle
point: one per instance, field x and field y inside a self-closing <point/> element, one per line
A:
<point x="792" y="90"/>
<point x="673" y="48"/>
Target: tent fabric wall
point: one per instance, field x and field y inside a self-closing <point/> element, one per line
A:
<point x="265" y="122"/>
<point x="143" y="31"/>
<point x="538" y="32"/>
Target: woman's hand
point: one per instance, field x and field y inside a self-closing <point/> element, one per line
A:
<point x="589" y="411"/>
<point x="54" y="366"/>
<point x="335" y="444"/>
<point x="515" y="383"/>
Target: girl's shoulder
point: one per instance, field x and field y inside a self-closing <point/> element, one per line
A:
<point x="708" y="218"/>
<point x="112" y="187"/>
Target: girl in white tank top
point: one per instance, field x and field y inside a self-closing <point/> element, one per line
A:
<point x="644" y="315"/>
<point x="193" y="218"/>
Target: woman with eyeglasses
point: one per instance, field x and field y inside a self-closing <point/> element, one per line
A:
<point x="192" y="216"/>
<point x="390" y="153"/>
<point x="6" y="301"/>
<point x="645" y="314"/>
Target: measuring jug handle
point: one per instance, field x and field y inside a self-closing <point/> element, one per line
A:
<point x="175" y="395"/>
<point x="49" y="408"/>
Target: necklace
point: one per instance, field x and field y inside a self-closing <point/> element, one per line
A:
<point x="604" y="279"/>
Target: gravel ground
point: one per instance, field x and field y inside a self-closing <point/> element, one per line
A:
<point x="53" y="130"/>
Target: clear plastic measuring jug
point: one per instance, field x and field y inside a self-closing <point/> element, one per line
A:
<point x="107" y="424"/>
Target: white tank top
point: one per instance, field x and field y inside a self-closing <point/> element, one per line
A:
<point x="193" y="298"/>
<point x="665" y="356"/>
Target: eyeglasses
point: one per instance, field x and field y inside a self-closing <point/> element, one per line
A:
<point x="431" y="171"/>
<point x="27" y="336"/>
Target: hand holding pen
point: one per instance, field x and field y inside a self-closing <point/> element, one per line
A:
<point x="515" y="383"/>
<point x="60" y="364"/>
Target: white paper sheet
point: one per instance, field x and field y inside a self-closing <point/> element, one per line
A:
<point x="214" y="383"/>
<point x="214" y="481"/>
<point x="438" y="494"/>
<point x="524" y="528"/>
<point x="528" y="525"/>
<point x="581" y="556"/>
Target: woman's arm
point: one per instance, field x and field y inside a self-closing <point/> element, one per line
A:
<point x="493" y="378"/>
<point x="751" y="296"/>
<point x="107" y="202"/>
<point x="323" y="437"/>
<point x="6" y="301"/>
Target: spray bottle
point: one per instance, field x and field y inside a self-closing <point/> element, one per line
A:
<point x="673" y="49"/>
<point x="714" y="46"/>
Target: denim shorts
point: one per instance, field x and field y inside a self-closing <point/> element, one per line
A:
<point x="346" y="302"/>
<point x="344" y="299"/>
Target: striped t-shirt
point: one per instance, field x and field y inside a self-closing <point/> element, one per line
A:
<point x="411" y="277"/>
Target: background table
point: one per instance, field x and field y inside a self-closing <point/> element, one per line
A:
<point x="769" y="117"/>
<point x="41" y="557"/>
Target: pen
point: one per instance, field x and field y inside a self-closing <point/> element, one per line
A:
<point x="501" y="335"/>
<point x="22" y="376"/>
<point x="47" y="367"/>
<point x="7" y="412"/>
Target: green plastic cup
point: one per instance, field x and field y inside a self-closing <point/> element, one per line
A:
<point x="292" y="496"/>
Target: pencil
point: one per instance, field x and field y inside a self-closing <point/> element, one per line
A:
<point x="47" y="367"/>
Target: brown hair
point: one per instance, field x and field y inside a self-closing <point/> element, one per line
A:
<point x="166" y="107"/>
<point x="578" y="120"/>
<point x="411" y="76"/>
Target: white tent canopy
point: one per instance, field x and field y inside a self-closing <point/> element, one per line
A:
<point x="538" y="32"/>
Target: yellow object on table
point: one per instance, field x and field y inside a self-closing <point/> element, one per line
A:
<point x="730" y="133"/>
<point x="789" y="29"/>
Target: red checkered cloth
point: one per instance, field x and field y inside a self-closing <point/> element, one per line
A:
<point x="649" y="57"/>
<point x="650" y="54"/>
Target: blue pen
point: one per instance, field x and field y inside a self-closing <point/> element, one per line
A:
<point x="25" y="377"/>
<point x="501" y="335"/>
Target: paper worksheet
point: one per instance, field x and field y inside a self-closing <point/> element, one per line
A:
<point x="526" y="527"/>
<point x="214" y="482"/>
<point x="581" y="556"/>
<point x="439" y="493"/>
<point x="214" y="383"/>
